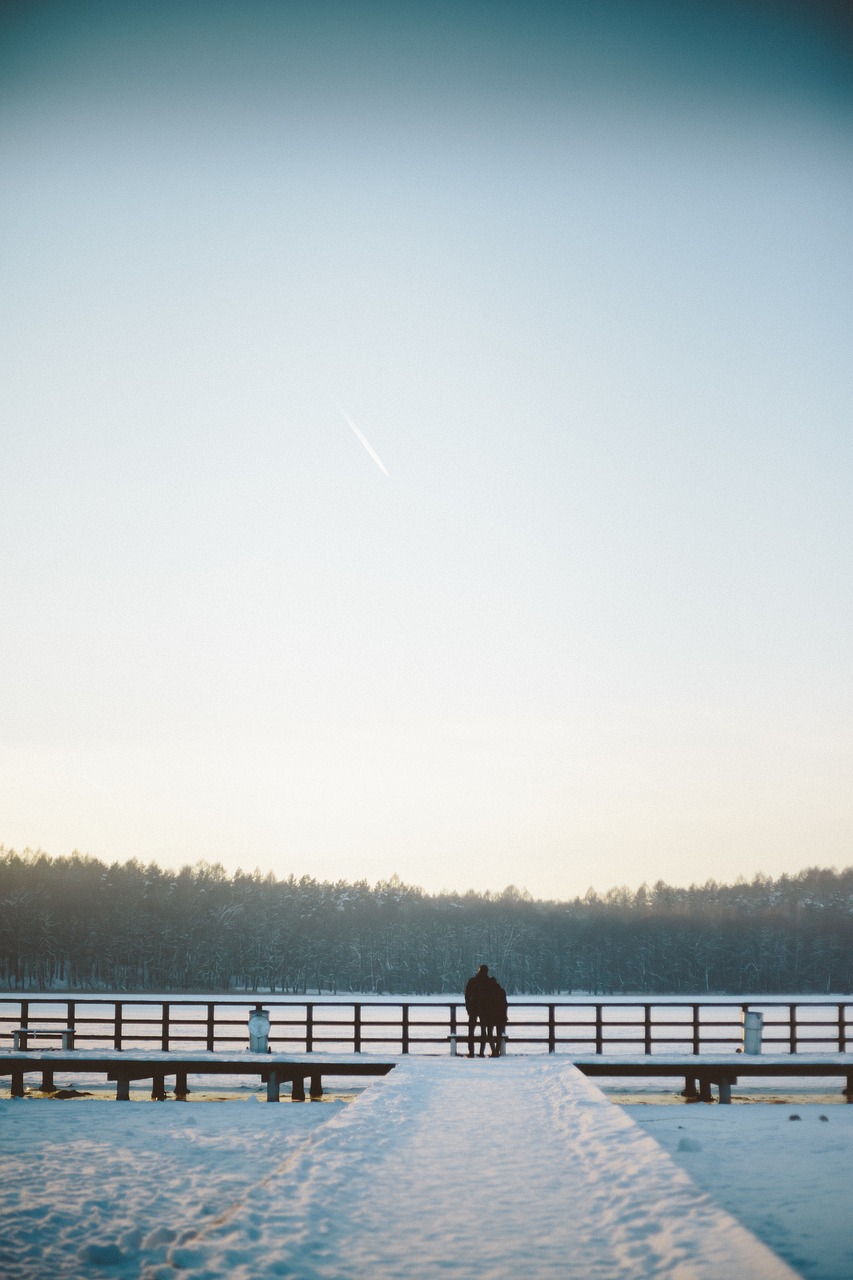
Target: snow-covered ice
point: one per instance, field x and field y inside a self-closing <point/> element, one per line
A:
<point x="447" y="1166"/>
<point x="786" y="1178"/>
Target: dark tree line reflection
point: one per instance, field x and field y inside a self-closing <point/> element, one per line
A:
<point x="76" y="923"/>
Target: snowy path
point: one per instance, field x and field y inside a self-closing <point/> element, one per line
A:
<point x="475" y="1169"/>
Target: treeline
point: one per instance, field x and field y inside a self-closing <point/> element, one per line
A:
<point x="78" y="924"/>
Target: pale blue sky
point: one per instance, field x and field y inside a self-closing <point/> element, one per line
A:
<point x="585" y="286"/>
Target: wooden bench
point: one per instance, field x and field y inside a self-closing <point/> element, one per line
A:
<point x="20" y="1035"/>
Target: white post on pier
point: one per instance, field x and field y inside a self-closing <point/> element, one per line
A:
<point x="753" y="1023"/>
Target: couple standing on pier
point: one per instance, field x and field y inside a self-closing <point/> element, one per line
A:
<point x="486" y="1002"/>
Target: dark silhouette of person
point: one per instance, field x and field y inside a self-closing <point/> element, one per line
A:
<point x="496" y="1011"/>
<point x="477" y="992"/>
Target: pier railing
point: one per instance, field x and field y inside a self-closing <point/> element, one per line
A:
<point x="578" y="1027"/>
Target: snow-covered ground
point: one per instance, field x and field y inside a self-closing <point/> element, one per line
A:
<point x="782" y="1170"/>
<point x="514" y="1168"/>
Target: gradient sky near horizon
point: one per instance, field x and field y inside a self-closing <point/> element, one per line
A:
<point x="581" y="275"/>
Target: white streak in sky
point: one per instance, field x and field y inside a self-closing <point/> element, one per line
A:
<point x="368" y="446"/>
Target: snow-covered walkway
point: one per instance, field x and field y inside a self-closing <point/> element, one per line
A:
<point x="480" y="1169"/>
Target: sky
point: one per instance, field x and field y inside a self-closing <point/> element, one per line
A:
<point x="580" y="275"/>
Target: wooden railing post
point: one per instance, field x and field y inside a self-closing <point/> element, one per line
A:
<point x="599" y="1030"/>
<point x="842" y="1029"/>
<point x="356" y="1028"/>
<point x="405" y="1029"/>
<point x="453" y="1030"/>
<point x="117" y="1025"/>
<point x="696" y="1040"/>
<point x="164" y="1040"/>
<point x="211" y="1027"/>
<point x="71" y="1020"/>
<point x="793" y="1028"/>
<point x="647" y="1028"/>
<point x="25" y="1013"/>
<point x="552" y="1029"/>
<point x="309" y="1028"/>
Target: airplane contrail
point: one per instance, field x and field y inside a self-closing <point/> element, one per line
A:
<point x="368" y="446"/>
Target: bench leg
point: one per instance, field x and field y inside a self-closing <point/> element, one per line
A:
<point x="122" y="1088"/>
<point x="316" y="1086"/>
<point x="273" y="1086"/>
<point x="297" y="1093"/>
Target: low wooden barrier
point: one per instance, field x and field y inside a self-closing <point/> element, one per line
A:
<point x="575" y="1026"/>
<point x="272" y="1070"/>
<point x="701" y="1071"/>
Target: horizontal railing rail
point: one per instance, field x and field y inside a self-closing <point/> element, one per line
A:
<point x="419" y="1026"/>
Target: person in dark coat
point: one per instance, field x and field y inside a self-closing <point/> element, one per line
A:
<point x="495" y="1016"/>
<point x="477" y="991"/>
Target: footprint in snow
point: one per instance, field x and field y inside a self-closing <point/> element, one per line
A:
<point x="102" y="1255"/>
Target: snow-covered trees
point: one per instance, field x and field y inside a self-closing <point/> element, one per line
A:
<point x="76" y="923"/>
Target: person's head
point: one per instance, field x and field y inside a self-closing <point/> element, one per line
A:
<point x="483" y="971"/>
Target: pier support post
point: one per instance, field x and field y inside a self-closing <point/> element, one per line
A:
<point x="122" y="1088"/>
<point x="725" y="1089"/>
<point x="181" y="1087"/>
<point x="47" y="1085"/>
<point x="316" y="1086"/>
<point x="158" y="1087"/>
<point x="17" y="1082"/>
<point x="690" y="1090"/>
<point x="273" y="1086"/>
<point x="705" y="1094"/>
<point x="297" y="1093"/>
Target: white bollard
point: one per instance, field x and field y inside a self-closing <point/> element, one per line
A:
<point x="259" y="1030"/>
<point x="753" y="1023"/>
